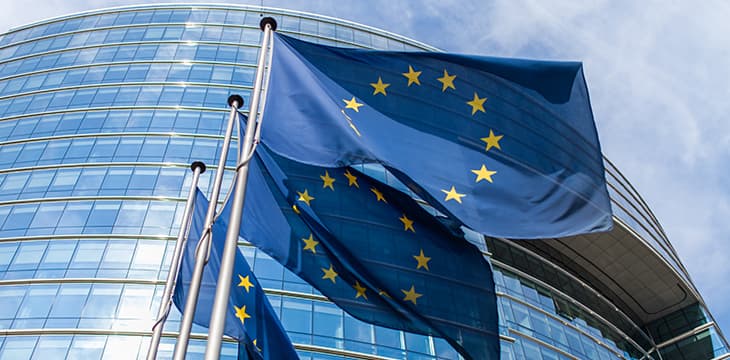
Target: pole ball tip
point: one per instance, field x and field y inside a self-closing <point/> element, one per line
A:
<point x="237" y="98"/>
<point x="268" y="20"/>
<point x="198" y="164"/>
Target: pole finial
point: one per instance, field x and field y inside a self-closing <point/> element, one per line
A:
<point x="268" y="20"/>
<point x="198" y="164"/>
<point x="235" y="98"/>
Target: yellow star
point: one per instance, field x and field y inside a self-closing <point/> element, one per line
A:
<point x="351" y="179"/>
<point x="310" y="244"/>
<point x="453" y="195"/>
<point x="241" y="313"/>
<point x="305" y="197"/>
<point x="422" y="261"/>
<point x="492" y="140"/>
<point x="352" y="104"/>
<point x="407" y="223"/>
<point x="412" y="76"/>
<point x="295" y="208"/>
<point x="484" y="174"/>
<point x="245" y="282"/>
<point x="379" y="87"/>
<point x="447" y="81"/>
<point x="477" y="104"/>
<point x="330" y="274"/>
<point x="378" y="195"/>
<point x="411" y="295"/>
<point x="360" y="290"/>
<point x="383" y="294"/>
<point x="327" y="181"/>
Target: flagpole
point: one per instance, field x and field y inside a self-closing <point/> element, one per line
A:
<point x="198" y="168"/>
<point x="223" y="288"/>
<point x="201" y="254"/>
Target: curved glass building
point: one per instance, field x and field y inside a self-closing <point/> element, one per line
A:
<point x="101" y="114"/>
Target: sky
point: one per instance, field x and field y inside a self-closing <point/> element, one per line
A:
<point x="658" y="74"/>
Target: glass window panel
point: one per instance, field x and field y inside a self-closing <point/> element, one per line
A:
<point x="75" y="215"/>
<point x="103" y="214"/>
<point x="154" y="33"/>
<point x="93" y="121"/>
<point x="418" y="343"/>
<point x="121" y="347"/>
<point x="134" y="34"/>
<point x="7" y="251"/>
<point x="10" y="297"/>
<point x="161" y="216"/>
<point x="116" y="73"/>
<point x="173" y="33"/>
<point x="104" y="96"/>
<point x="201" y="73"/>
<point x="58" y="255"/>
<point x="69" y="124"/>
<point x="194" y="97"/>
<point x="296" y="315"/>
<point x="14" y="182"/>
<point x="162" y="120"/>
<point x="129" y="149"/>
<point x="38" y="301"/>
<point x="18" y="348"/>
<point x="143" y="178"/>
<point x="153" y="149"/>
<point x="48" y="215"/>
<point x="103" y="149"/>
<point x="28" y="255"/>
<point x="135" y="302"/>
<point x="117" y="178"/>
<point x="356" y="330"/>
<point x="170" y="96"/>
<point x="66" y="178"/>
<point x="127" y="96"/>
<point x="118" y="254"/>
<point x="30" y="153"/>
<point x="90" y="179"/>
<point x="20" y="217"/>
<point x="170" y="180"/>
<point x="131" y="215"/>
<point x="102" y="302"/>
<point x="327" y="320"/>
<point x="70" y="300"/>
<point x="54" y="152"/>
<point x="388" y="337"/>
<point x="149" y="255"/>
<point x="88" y="254"/>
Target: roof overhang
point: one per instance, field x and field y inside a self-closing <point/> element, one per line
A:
<point x="622" y="267"/>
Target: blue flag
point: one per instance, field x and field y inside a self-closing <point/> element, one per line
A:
<point x="373" y="251"/>
<point x="508" y="147"/>
<point x="250" y="318"/>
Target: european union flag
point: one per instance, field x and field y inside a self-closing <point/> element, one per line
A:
<point x="508" y="147"/>
<point x="250" y="319"/>
<point x="372" y="250"/>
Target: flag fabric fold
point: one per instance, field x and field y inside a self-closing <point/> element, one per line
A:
<point x="250" y="318"/>
<point x="508" y="147"/>
<point x="372" y="250"/>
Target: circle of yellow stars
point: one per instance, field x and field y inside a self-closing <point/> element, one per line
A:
<point x="447" y="81"/>
<point x="330" y="273"/>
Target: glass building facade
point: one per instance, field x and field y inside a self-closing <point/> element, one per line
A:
<point x="101" y="114"/>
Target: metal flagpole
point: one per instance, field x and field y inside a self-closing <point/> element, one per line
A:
<point x="166" y="302"/>
<point x="201" y="253"/>
<point x="223" y="288"/>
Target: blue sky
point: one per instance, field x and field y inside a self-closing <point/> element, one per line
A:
<point x="658" y="75"/>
